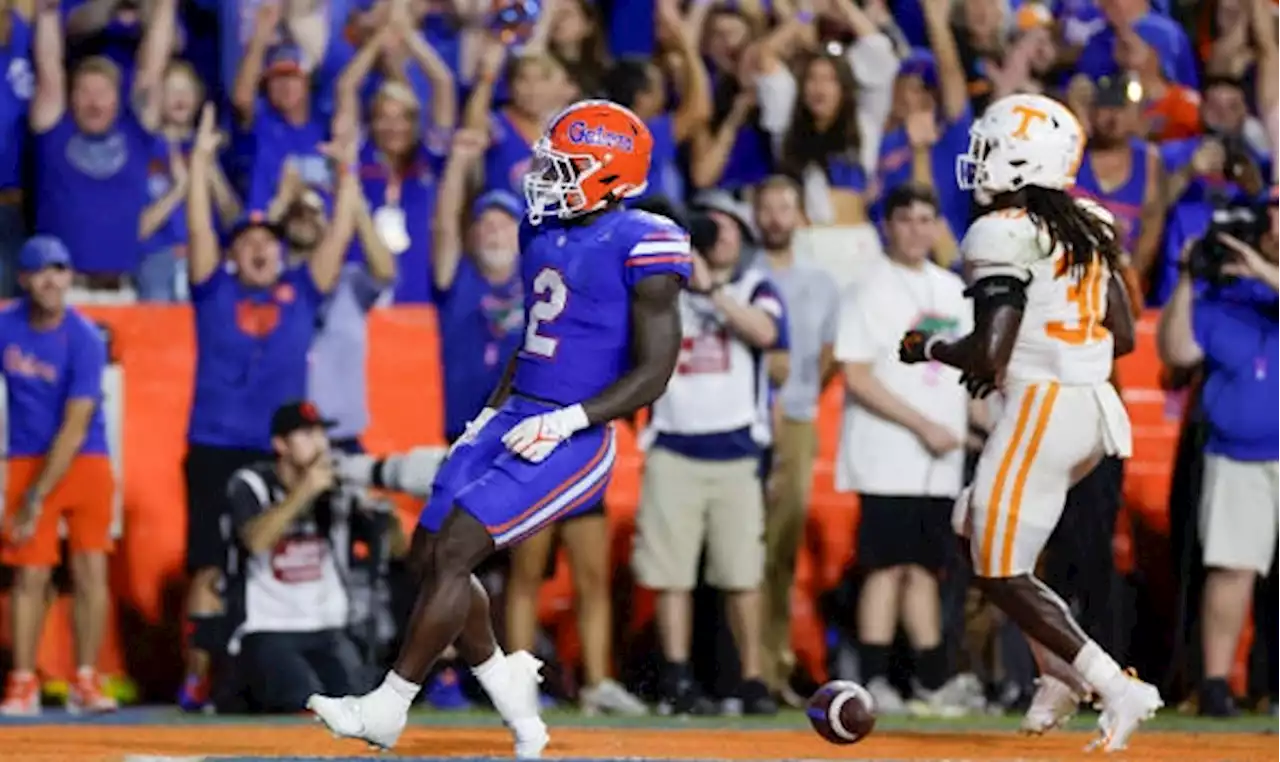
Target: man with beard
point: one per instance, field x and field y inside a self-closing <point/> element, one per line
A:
<point x="255" y="318"/>
<point x="1122" y="171"/>
<point x="812" y="306"/>
<point x="57" y="470"/>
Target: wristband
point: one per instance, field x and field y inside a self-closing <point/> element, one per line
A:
<point x="804" y="17"/>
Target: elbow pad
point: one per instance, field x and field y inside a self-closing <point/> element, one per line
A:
<point x="998" y="291"/>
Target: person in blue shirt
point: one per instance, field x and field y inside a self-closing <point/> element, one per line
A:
<point x="929" y="125"/>
<point x="15" y="95"/>
<point x="255" y="318"/>
<point x="274" y="101"/>
<point x="163" y="225"/>
<point x="730" y="152"/>
<point x="403" y="153"/>
<point x="1229" y="329"/>
<point x="1097" y="59"/>
<point x="538" y="86"/>
<point x="638" y="84"/>
<point x="92" y="152"/>
<point x="58" y="470"/>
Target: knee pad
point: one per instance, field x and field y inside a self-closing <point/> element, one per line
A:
<point x="207" y="633"/>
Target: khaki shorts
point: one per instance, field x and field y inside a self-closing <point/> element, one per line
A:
<point x="1238" y="507"/>
<point x="685" y="502"/>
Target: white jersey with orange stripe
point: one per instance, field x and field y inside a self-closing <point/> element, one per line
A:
<point x="1061" y="338"/>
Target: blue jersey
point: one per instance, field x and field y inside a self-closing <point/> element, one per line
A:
<point x="577" y="283"/>
<point x="577" y="295"/>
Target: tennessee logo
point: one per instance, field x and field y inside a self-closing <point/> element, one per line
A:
<point x="580" y="133"/>
<point x="19" y="363"/>
<point x="1029" y="116"/>
<point x="257" y="320"/>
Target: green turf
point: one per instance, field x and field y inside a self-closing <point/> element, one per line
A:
<point x="789" y="719"/>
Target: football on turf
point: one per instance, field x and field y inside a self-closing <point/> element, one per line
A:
<point x="842" y="712"/>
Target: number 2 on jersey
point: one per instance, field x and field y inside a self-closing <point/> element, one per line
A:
<point x="1086" y="294"/>
<point x="552" y="295"/>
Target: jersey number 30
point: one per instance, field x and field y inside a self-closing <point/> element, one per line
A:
<point x="552" y="295"/>
<point x="1086" y="295"/>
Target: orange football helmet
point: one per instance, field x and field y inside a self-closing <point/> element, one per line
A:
<point x="593" y="153"/>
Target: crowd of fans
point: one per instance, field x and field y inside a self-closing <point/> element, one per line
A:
<point x="286" y="166"/>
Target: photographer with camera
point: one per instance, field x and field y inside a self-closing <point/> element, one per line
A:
<point x="287" y="588"/>
<point x="1222" y="316"/>
<point x="1207" y="173"/>
<point x="701" y="489"/>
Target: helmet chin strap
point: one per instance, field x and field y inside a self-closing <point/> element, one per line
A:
<point x="982" y="196"/>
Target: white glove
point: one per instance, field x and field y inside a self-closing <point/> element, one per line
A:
<point x="536" y="436"/>
<point x="473" y="429"/>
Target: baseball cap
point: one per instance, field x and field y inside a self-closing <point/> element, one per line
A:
<point x="42" y="251"/>
<point x="920" y="63"/>
<point x="503" y="200"/>
<point x="1117" y="90"/>
<point x="283" y="59"/>
<point x="252" y="219"/>
<point x="296" y="416"/>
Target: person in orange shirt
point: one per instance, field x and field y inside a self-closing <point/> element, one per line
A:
<point x="58" y="470"/>
<point x="1171" y="111"/>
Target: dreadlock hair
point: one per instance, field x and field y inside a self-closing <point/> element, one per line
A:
<point x="1082" y="234"/>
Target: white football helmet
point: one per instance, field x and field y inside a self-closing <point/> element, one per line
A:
<point x="1022" y="140"/>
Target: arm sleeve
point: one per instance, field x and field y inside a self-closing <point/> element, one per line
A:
<point x="658" y="247"/>
<point x="855" y="337"/>
<point x="87" y="364"/>
<point x="247" y="496"/>
<point x="765" y="297"/>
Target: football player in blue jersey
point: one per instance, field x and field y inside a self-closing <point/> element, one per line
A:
<point x="602" y="334"/>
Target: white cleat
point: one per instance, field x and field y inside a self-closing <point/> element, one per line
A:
<point x="530" y="732"/>
<point x="1136" y="703"/>
<point x="358" y="717"/>
<point x="1052" y="706"/>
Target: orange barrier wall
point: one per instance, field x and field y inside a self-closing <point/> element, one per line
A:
<point x="155" y="346"/>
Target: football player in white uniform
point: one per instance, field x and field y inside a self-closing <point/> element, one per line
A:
<point x="1050" y="314"/>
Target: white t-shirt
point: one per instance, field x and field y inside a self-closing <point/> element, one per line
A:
<point x="877" y="456"/>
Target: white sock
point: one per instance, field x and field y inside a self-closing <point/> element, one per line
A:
<point x="397" y="691"/>
<point x="1099" y="670"/>
<point x="494" y="675"/>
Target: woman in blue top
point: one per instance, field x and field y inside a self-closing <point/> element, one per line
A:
<point x="92" y="154"/>
<point x="731" y="152"/>
<point x="398" y="167"/>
